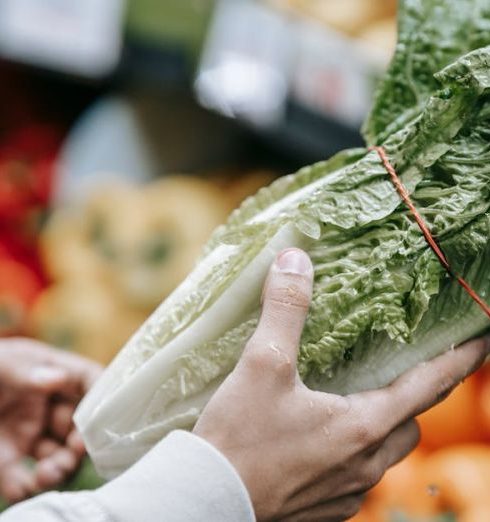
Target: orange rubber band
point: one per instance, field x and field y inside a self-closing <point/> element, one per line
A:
<point x="425" y="229"/>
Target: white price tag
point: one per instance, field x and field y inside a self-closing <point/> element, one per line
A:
<point x="256" y="57"/>
<point x="76" y="36"/>
<point x="244" y="71"/>
<point x="331" y="75"/>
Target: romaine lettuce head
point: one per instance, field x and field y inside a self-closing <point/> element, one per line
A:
<point x="382" y="302"/>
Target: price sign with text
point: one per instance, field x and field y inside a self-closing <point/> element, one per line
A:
<point x="81" y="37"/>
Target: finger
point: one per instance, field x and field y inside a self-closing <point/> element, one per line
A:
<point x="52" y="370"/>
<point x="286" y="298"/>
<point x="84" y="372"/>
<point x="337" y="510"/>
<point x="9" y="452"/>
<point x="53" y="470"/>
<point x="25" y="422"/>
<point x="40" y="377"/>
<point x="67" y="381"/>
<point x="17" y="482"/>
<point x="75" y="443"/>
<point x="366" y="471"/>
<point x="422" y="387"/>
<point x="61" y="419"/>
<point x="401" y="442"/>
<point x="45" y="448"/>
<point x="376" y="461"/>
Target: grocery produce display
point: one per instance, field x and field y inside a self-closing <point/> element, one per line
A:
<point x="382" y="301"/>
<point x="27" y="158"/>
<point x="446" y="478"/>
<point x="86" y="278"/>
<point x="370" y="23"/>
<point x="112" y="259"/>
<point x="352" y="17"/>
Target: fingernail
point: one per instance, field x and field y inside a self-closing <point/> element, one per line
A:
<point x="294" y="261"/>
<point x="41" y="375"/>
<point x="75" y="442"/>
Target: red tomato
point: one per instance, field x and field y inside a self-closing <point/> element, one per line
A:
<point x="456" y="420"/>
<point x="20" y="244"/>
<point x="27" y="160"/>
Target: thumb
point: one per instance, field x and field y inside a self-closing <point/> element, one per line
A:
<point x="285" y="302"/>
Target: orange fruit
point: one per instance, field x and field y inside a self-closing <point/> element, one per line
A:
<point x="403" y="489"/>
<point x="484" y="402"/>
<point x="475" y="514"/>
<point x="459" y="477"/>
<point x="456" y="420"/>
<point x="363" y="516"/>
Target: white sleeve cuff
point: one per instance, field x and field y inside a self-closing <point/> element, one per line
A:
<point x="182" y="479"/>
<point x="57" y="507"/>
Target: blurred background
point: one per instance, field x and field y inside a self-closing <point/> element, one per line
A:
<point x="129" y="129"/>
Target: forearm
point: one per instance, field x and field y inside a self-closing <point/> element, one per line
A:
<point x="183" y="479"/>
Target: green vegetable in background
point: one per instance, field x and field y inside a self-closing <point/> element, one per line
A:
<point x="173" y="23"/>
<point x="382" y="302"/>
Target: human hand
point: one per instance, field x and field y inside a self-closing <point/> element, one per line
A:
<point x="39" y="390"/>
<point x="305" y="455"/>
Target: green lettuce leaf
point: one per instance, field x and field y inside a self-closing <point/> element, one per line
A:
<point x="431" y="35"/>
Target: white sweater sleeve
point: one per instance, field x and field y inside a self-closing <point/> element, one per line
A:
<point x="182" y="479"/>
